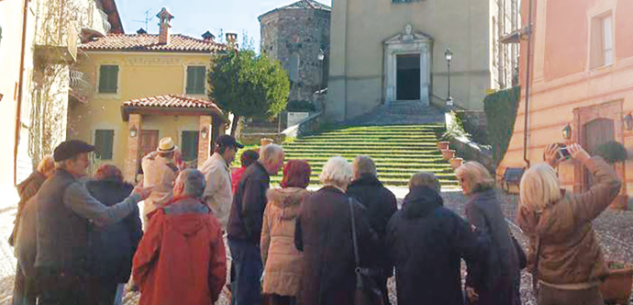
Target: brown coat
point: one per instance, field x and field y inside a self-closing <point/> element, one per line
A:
<point x="282" y="260"/>
<point x="570" y="252"/>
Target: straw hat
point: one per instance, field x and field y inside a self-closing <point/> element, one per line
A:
<point x="166" y="145"/>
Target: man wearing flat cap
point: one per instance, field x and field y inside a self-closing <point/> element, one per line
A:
<point x="160" y="172"/>
<point x="64" y="211"/>
<point x="218" y="194"/>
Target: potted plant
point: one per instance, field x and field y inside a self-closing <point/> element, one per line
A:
<point x="442" y="145"/>
<point x="456" y="162"/>
<point x="448" y="154"/>
<point x="615" y="154"/>
<point x="617" y="286"/>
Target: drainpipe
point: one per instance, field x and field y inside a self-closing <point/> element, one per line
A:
<point x="528" y="81"/>
<point x="345" y="56"/>
<point x="18" y="123"/>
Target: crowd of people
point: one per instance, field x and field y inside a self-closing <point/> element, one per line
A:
<point x="79" y="240"/>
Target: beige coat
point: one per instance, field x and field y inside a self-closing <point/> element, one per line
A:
<point x="159" y="173"/>
<point x="570" y="253"/>
<point x="217" y="193"/>
<point x="282" y="261"/>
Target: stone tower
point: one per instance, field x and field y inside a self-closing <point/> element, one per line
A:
<point x="299" y="36"/>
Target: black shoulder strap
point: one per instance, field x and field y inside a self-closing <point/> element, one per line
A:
<point x="351" y="209"/>
<point x="537" y="257"/>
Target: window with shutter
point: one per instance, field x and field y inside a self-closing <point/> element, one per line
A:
<point x="108" y="79"/>
<point x="104" y="141"/>
<point x="196" y="77"/>
<point x="189" y="145"/>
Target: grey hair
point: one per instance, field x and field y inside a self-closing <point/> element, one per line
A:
<point x="425" y="179"/>
<point x="194" y="182"/>
<point x="364" y="165"/>
<point x="270" y="154"/>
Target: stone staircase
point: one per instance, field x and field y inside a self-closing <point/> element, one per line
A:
<point x="398" y="150"/>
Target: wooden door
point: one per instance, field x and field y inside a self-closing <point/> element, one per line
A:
<point x="597" y="132"/>
<point x="149" y="142"/>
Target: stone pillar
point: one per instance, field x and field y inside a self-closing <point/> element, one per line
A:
<point x="133" y="148"/>
<point x="204" y="138"/>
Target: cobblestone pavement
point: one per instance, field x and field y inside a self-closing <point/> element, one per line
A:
<point x="614" y="229"/>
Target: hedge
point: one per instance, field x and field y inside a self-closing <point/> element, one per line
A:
<point x="501" y="112"/>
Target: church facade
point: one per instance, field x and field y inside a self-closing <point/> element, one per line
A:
<point x="385" y="51"/>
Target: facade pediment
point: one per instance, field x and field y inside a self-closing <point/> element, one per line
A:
<point x="408" y="35"/>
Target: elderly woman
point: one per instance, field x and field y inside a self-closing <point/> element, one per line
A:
<point x="324" y="234"/>
<point x="563" y="247"/>
<point x="427" y="241"/>
<point x="111" y="248"/>
<point x="24" y="231"/>
<point x="496" y="281"/>
<point x="282" y="261"/>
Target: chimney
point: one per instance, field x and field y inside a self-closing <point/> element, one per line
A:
<point x="208" y="37"/>
<point x="231" y="39"/>
<point x="165" y="18"/>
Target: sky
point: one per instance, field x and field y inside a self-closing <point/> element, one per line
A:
<point x="194" y="17"/>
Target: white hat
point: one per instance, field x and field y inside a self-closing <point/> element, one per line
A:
<point x="166" y="145"/>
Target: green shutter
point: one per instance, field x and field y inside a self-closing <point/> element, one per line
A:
<point x="108" y="79"/>
<point x="104" y="141"/>
<point x="189" y="145"/>
<point x="196" y="77"/>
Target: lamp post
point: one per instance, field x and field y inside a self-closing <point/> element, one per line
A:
<point x="449" y="56"/>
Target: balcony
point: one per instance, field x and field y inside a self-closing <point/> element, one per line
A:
<point x="80" y="87"/>
<point x="94" y="22"/>
<point x="58" y="46"/>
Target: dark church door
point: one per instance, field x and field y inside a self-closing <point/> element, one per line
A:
<point x="408" y="78"/>
<point x="597" y="132"/>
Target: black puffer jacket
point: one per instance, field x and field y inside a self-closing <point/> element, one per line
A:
<point x="111" y="248"/>
<point x="426" y="243"/>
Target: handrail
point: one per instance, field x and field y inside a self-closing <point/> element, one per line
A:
<point x="296" y="130"/>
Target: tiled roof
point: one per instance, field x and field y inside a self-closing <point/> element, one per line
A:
<point x="307" y="4"/>
<point x="147" y="42"/>
<point x="171" y="101"/>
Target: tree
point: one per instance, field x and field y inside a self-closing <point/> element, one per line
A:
<point x="248" y="85"/>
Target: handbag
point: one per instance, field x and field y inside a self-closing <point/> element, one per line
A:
<point x="367" y="291"/>
<point x="520" y="253"/>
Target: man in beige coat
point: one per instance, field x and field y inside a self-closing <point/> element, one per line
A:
<point x="218" y="194"/>
<point x="159" y="172"/>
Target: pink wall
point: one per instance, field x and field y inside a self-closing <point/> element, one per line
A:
<point x="624" y="30"/>
<point x="566" y="38"/>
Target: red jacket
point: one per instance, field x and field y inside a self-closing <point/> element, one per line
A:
<point x="181" y="258"/>
<point x="236" y="175"/>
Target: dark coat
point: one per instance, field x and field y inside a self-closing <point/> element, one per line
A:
<point x="249" y="203"/>
<point x="426" y="242"/>
<point x="27" y="189"/>
<point x="324" y="234"/>
<point x="500" y="272"/>
<point x="111" y="248"/>
<point x="26" y="239"/>
<point x="381" y="204"/>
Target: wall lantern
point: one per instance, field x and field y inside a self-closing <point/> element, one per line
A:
<point x="628" y="122"/>
<point x="133" y="131"/>
<point x="204" y="133"/>
<point x="321" y="55"/>
<point x="567" y="132"/>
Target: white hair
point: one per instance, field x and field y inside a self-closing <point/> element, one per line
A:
<point x="337" y="171"/>
<point x="270" y="154"/>
<point x="194" y="183"/>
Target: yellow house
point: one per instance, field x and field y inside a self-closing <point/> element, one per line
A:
<point x="144" y="87"/>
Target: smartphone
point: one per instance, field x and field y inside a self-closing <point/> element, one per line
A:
<point x="563" y="152"/>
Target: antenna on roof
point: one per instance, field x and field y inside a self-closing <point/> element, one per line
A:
<point x="148" y="18"/>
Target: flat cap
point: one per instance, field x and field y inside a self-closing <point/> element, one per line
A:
<point x="69" y="149"/>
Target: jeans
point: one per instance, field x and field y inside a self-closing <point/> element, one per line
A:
<point x="247" y="262"/>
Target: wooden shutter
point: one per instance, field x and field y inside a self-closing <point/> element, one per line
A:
<point x="189" y="145"/>
<point x="104" y="141"/>
<point x="108" y="79"/>
<point x="196" y="77"/>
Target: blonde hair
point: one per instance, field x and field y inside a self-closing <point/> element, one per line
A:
<point x="539" y="187"/>
<point x="476" y="174"/>
<point x="337" y="171"/>
<point x="424" y="179"/>
<point x="47" y="165"/>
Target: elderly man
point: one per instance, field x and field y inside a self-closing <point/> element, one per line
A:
<point x="191" y="267"/>
<point x="64" y="211"/>
<point x="381" y="204"/>
<point x="159" y="171"/>
<point x="245" y="224"/>
<point x="218" y="195"/>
